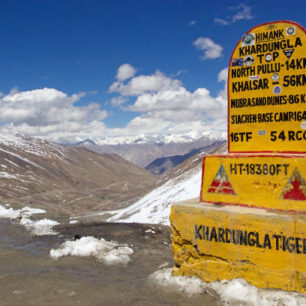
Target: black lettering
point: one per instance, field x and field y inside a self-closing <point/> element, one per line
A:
<point x="242" y="237"/>
<point x="228" y="235"/>
<point x="233" y="170"/>
<point x="298" y="42"/>
<point x="277" y="238"/>
<point x="286" y="168"/>
<point x="290" y="246"/>
<point x="221" y="234"/>
<point x="252" y="240"/>
<point x="197" y="232"/>
<point x="298" y="245"/>
<point x="206" y="232"/>
<point x="267" y="242"/>
<point x="284" y="243"/>
<point x="213" y="234"/>
<point x="257" y="240"/>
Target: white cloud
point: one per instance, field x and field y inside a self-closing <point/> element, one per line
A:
<point x="221" y="21"/>
<point x="48" y="111"/>
<point x="178" y="110"/>
<point x="172" y="108"/>
<point x="192" y="23"/>
<point x="163" y="106"/>
<point x="222" y="77"/>
<point x="93" y="92"/>
<point x="210" y="48"/>
<point x="166" y="106"/>
<point x="116" y="101"/>
<point x="241" y="12"/>
<point x="145" y="83"/>
<point x="125" y="72"/>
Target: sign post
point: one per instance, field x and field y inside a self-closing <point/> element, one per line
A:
<point x="267" y="90"/>
<point x="250" y="221"/>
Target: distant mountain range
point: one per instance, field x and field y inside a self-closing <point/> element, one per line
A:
<point x="140" y="138"/>
<point x="161" y="165"/>
<point x="69" y="180"/>
<point x="144" y="150"/>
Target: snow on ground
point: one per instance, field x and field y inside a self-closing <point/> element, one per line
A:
<point x="155" y="206"/>
<point x="9" y="213"/>
<point x="38" y="228"/>
<point x="41" y="227"/>
<point x="73" y="221"/>
<point x="234" y="292"/>
<point x="7" y="175"/>
<point x="109" y="252"/>
<point x="22" y="158"/>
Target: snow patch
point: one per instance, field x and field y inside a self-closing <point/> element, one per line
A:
<point x="155" y="207"/>
<point x="149" y="231"/>
<point x="41" y="227"/>
<point x="7" y="175"/>
<point x="73" y="221"/>
<point x="10" y="138"/>
<point x="184" y="284"/>
<point x="38" y="228"/>
<point x="109" y="252"/>
<point x="22" y="158"/>
<point x="9" y="213"/>
<point x="234" y="292"/>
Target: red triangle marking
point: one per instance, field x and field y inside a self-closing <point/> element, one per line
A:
<point x="295" y="188"/>
<point x="221" y="183"/>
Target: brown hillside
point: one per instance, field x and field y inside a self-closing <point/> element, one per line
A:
<point x="67" y="179"/>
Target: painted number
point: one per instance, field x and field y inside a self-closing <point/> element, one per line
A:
<point x="242" y="136"/>
<point x="289" y="135"/>
<point x="294" y="80"/>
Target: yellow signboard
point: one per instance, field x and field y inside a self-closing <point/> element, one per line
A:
<point x="267" y="90"/>
<point x="220" y="242"/>
<point x="275" y="182"/>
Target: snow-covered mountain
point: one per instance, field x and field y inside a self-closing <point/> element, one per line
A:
<point x="142" y="138"/>
<point x="181" y="183"/>
<point x="31" y="145"/>
<point x="143" y="149"/>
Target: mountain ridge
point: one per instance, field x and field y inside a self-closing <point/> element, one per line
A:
<point x="145" y="152"/>
<point x="66" y="179"/>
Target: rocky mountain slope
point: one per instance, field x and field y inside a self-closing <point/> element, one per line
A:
<point x="161" y="165"/>
<point x="178" y="184"/>
<point x="66" y="179"/>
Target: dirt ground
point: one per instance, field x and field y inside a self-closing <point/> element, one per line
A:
<point x="28" y="275"/>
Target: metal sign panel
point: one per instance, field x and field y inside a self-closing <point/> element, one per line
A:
<point x="267" y="181"/>
<point x="266" y="90"/>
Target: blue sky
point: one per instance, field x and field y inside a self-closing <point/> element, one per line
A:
<point x="59" y="61"/>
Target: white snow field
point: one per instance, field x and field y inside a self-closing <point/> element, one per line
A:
<point x="234" y="292"/>
<point x="109" y="252"/>
<point x="155" y="206"/>
<point x="37" y="228"/>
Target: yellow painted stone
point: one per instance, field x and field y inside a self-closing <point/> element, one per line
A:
<point x="218" y="242"/>
<point x="274" y="182"/>
<point x="267" y="90"/>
